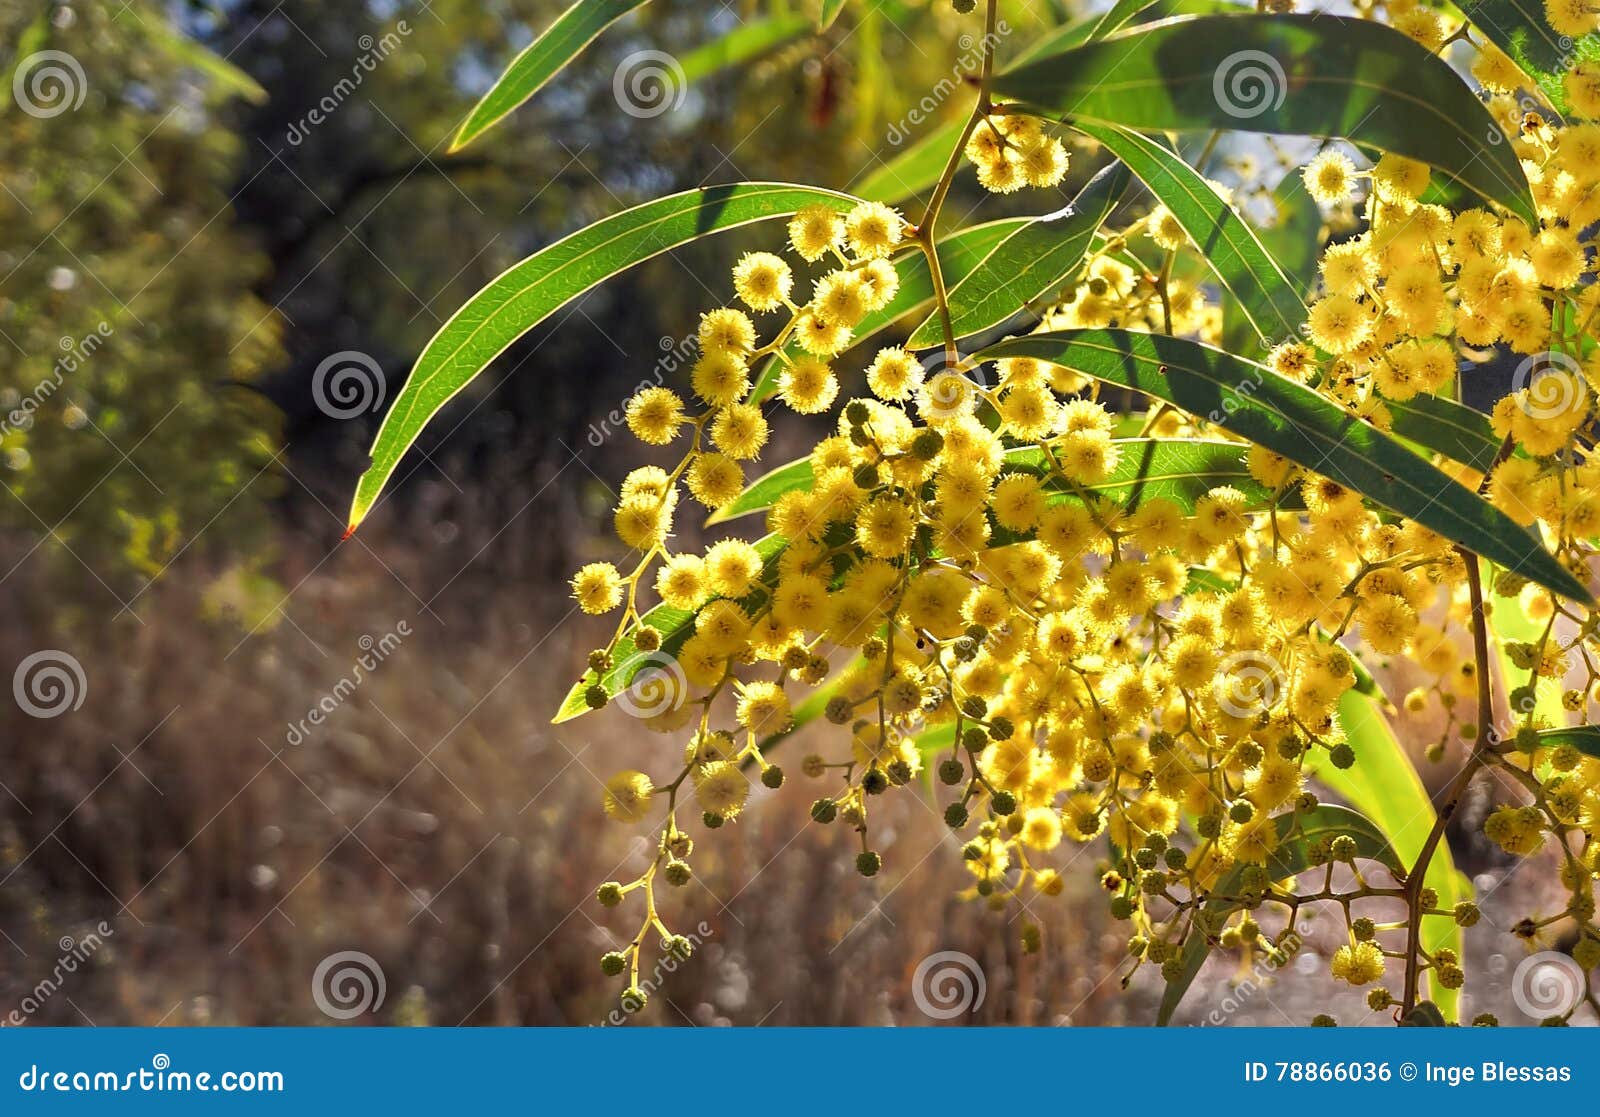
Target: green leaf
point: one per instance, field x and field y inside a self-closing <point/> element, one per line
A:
<point x="1508" y="624"/>
<point x="1298" y="834"/>
<point x="748" y="40"/>
<point x="1179" y="470"/>
<point x="1114" y="19"/>
<point x="1519" y="28"/>
<point x="1292" y="420"/>
<point x="225" y="74"/>
<point x="1383" y="785"/>
<point x="540" y="61"/>
<point x="1425" y="1015"/>
<point x="830" y="12"/>
<point x="912" y="170"/>
<point x="1313" y="75"/>
<point x="959" y="253"/>
<point x="1584" y="738"/>
<point x="1226" y="241"/>
<point x="1446" y="427"/>
<point x="1030" y="263"/>
<point x="524" y="295"/>
<point x="675" y="626"/>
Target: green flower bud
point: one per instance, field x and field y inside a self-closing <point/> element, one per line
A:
<point x="609" y="894"/>
<point x="772" y="777"/>
<point x="868" y="863"/>
<point x="612" y="963"/>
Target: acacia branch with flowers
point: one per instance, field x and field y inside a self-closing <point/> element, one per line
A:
<point x="1127" y="589"/>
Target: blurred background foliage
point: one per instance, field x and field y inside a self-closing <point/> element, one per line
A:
<point x="175" y="504"/>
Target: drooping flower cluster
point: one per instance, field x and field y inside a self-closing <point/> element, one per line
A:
<point x="964" y="576"/>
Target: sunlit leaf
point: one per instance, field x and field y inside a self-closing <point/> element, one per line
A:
<point x="1383" y="785"/>
<point x="750" y="39"/>
<point x="1446" y="427"/>
<point x="540" y="61"/>
<point x="1293" y="420"/>
<point x="1032" y="262"/>
<point x="1299" y="835"/>
<point x="1310" y="75"/>
<point x="1226" y="241"/>
<point x="524" y="295"/>
<point x="911" y="170"/>
<point x="1519" y="28"/>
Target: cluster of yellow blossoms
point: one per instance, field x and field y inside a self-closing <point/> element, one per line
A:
<point x="949" y="578"/>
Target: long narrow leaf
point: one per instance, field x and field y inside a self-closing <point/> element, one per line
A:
<point x="540" y="61"/>
<point x="524" y="295"/>
<point x="1312" y="75"/>
<point x="1293" y="420"/>
<point x="1383" y="785"/>
<point x="1226" y="241"/>
<point x="1030" y="263"/>
<point x="1299" y="833"/>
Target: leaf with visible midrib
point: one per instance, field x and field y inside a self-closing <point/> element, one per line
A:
<point x="1307" y="75"/>
<point x="1180" y="470"/>
<point x="1226" y="241"/>
<point x="540" y="61"/>
<point x="1519" y="28"/>
<point x="1030" y="263"/>
<point x="1291" y="858"/>
<point x="524" y="295"/>
<point x="1383" y="785"/>
<point x="1292" y="420"/>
